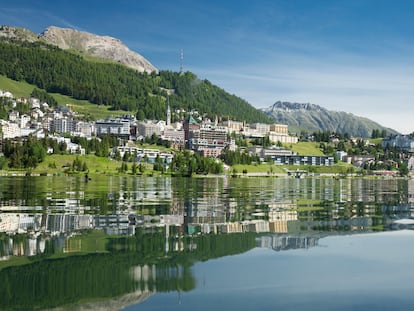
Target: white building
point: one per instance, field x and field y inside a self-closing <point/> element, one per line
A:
<point x="85" y="128"/>
<point x="259" y="129"/>
<point x="150" y="154"/>
<point x="148" y="128"/>
<point x="173" y="135"/>
<point x="10" y="130"/>
<point x="233" y="126"/>
<point x="24" y="120"/>
<point x="34" y="102"/>
<point x="6" y="94"/>
<point x="114" y="126"/>
<point x="282" y="138"/>
<point x="280" y="133"/>
<point x="14" y="116"/>
<point x="70" y="146"/>
<point x="64" y="125"/>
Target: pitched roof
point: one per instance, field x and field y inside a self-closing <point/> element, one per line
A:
<point x="191" y="120"/>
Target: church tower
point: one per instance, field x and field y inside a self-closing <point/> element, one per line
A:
<point x="168" y="121"/>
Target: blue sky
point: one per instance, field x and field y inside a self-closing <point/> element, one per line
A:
<point x="346" y="55"/>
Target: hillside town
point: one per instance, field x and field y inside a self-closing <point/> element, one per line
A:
<point x="202" y="135"/>
<point x="197" y="133"/>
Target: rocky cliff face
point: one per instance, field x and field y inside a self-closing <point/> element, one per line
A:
<point x="18" y="33"/>
<point x="98" y="46"/>
<point x="313" y="118"/>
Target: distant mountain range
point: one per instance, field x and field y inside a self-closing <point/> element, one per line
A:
<point x="313" y="118"/>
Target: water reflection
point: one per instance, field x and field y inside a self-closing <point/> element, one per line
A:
<point x="133" y="237"/>
<point x="56" y="209"/>
<point x="51" y="204"/>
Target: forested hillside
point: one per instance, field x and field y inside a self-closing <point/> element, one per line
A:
<point x="117" y="86"/>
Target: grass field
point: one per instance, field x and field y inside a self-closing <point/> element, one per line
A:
<point x="340" y="168"/>
<point x="259" y="168"/>
<point x="55" y="164"/>
<point x="306" y="148"/>
<point x="375" y="140"/>
<point x="59" y="165"/>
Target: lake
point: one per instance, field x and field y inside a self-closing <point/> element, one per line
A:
<point x="143" y="243"/>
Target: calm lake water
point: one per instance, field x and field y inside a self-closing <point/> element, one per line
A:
<point x="134" y="243"/>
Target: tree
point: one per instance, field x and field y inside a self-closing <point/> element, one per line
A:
<point x="158" y="166"/>
<point x="140" y="115"/>
<point x="117" y="156"/>
<point x="403" y="169"/>
<point x="54" y="70"/>
<point x="43" y="96"/>
<point x="123" y="168"/>
<point x="134" y="168"/>
<point x="84" y="167"/>
<point x="16" y="158"/>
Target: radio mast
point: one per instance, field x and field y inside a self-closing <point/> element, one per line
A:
<point x="181" y="60"/>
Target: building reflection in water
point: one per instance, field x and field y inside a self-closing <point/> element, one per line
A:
<point x="200" y="206"/>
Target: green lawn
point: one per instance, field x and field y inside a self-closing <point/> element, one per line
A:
<point x="259" y="168"/>
<point x="376" y="140"/>
<point x="305" y="148"/>
<point x="339" y="168"/>
<point x="56" y="163"/>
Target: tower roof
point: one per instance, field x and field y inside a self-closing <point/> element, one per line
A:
<point x="191" y="120"/>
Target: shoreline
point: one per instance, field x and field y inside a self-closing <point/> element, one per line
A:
<point x="238" y="175"/>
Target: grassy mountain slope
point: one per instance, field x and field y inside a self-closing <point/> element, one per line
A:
<point x="313" y="118"/>
<point x="84" y="107"/>
<point x="18" y="88"/>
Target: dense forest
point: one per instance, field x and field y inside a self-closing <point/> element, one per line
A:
<point x="57" y="71"/>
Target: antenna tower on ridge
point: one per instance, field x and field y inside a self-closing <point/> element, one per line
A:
<point x="181" y="60"/>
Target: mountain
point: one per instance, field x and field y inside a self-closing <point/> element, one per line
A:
<point x="85" y="43"/>
<point x="17" y="33"/>
<point x="67" y="72"/>
<point x="98" y="46"/>
<point x="313" y="118"/>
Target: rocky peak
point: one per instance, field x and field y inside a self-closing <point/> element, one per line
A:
<point x="98" y="46"/>
<point x="17" y="33"/>
<point x="288" y="106"/>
